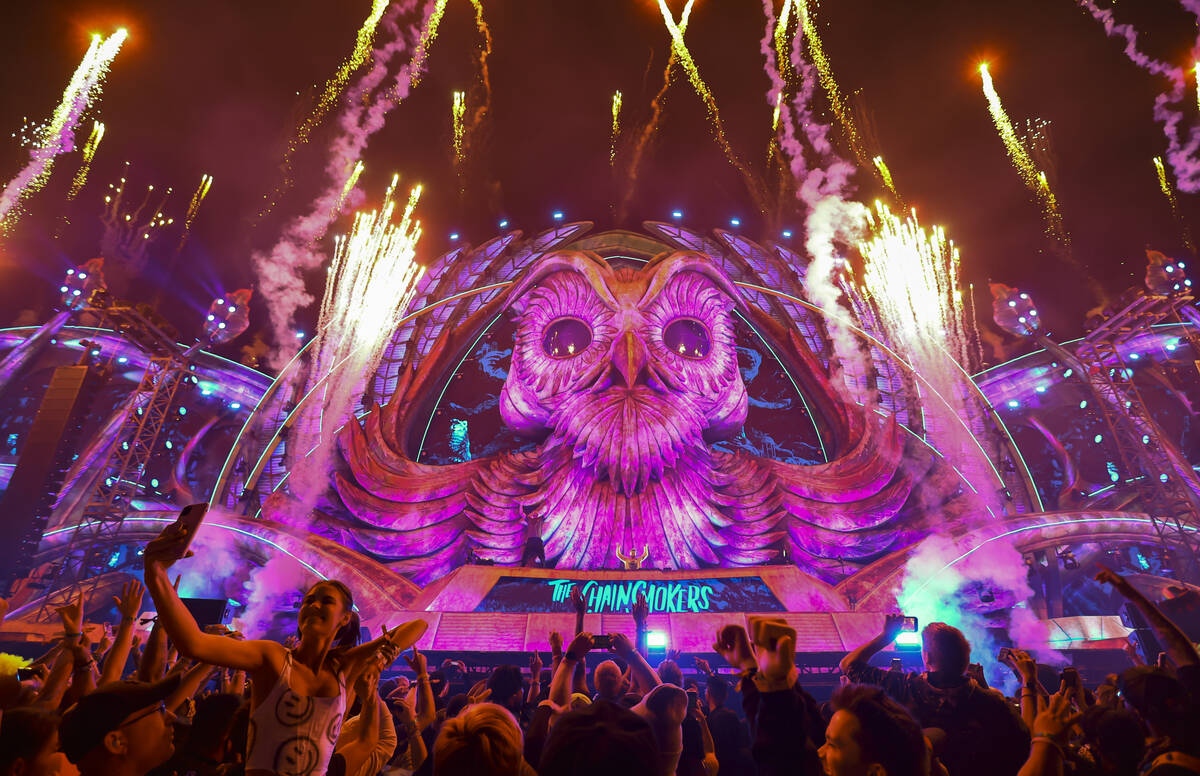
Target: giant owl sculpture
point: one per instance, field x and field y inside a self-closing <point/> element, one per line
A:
<point x="625" y="377"/>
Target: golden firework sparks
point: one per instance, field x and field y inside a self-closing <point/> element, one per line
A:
<point x="616" y="126"/>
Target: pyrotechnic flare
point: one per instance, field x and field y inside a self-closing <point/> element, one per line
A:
<point x="428" y="35"/>
<point x="781" y="47"/>
<point x="82" y="92"/>
<point x="458" y="109"/>
<point x="351" y="182"/>
<point x="1035" y="179"/>
<point x="886" y="174"/>
<point x="616" y="127"/>
<point x="642" y="138"/>
<point x="369" y="287"/>
<point x="333" y="89"/>
<point x="1164" y="183"/>
<point x="1196" y="74"/>
<point x="825" y="70"/>
<point x="1182" y="147"/>
<point x="193" y="207"/>
<point x="710" y="104"/>
<point x="89" y="152"/>
<point x="484" y="102"/>
<point x="281" y="270"/>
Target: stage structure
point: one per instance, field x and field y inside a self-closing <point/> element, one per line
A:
<point x="667" y="412"/>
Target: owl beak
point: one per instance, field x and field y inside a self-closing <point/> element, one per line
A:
<point x="629" y="359"/>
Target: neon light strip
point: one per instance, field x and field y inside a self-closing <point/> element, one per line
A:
<point x="1013" y="532"/>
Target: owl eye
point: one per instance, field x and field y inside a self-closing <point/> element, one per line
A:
<point x="566" y="338"/>
<point x="686" y="337"/>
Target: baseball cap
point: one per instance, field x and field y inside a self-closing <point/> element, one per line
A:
<point x="95" y="715"/>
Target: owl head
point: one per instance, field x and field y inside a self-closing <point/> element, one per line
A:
<point x="655" y="341"/>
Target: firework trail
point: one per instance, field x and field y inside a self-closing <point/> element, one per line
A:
<point x="1164" y="183"/>
<point x="89" y="152"/>
<point x="825" y="70"/>
<point x="1035" y="179"/>
<point x="781" y="46"/>
<point x="333" y="89"/>
<point x="82" y="92"/>
<point x="684" y="56"/>
<point x="886" y="174"/>
<point x="281" y="269"/>
<point x="351" y="182"/>
<point x="483" y="103"/>
<point x="616" y="127"/>
<point x="458" y="109"/>
<point x="428" y="35"/>
<point x="194" y="207"/>
<point x="642" y="139"/>
<point x="1181" y="152"/>
<point x="370" y="284"/>
<point x="31" y="134"/>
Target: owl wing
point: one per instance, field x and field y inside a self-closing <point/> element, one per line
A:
<point x="845" y="511"/>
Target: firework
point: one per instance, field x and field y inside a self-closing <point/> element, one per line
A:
<point x="484" y="102"/>
<point x="370" y="284"/>
<point x="1164" y="183"/>
<point x="642" y="138"/>
<point x="781" y="46"/>
<point x="458" y="109"/>
<point x="127" y="234"/>
<point x="82" y="92"/>
<point x="89" y="152"/>
<point x="616" y="127"/>
<point x="1196" y="73"/>
<point x="193" y="207"/>
<point x="825" y="72"/>
<point x="31" y="134"/>
<point x="351" y="182"/>
<point x="1034" y="179"/>
<point x="685" y="59"/>
<point x="428" y="35"/>
<point x="886" y="174"/>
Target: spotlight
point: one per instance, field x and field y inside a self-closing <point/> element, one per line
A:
<point x="454" y="235"/>
<point x="676" y="214"/>
<point x="735" y="222"/>
<point x="787" y="234"/>
<point x="557" y="215"/>
<point x="503" y="223"/>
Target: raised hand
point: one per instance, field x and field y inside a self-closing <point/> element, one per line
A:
<point x="478" y="693"/>
<point x="1025" y="665"/>
<point x="775" y="653"/>
<point x="417" y="662"/>
<point x="106" y="640"/>
<point x="556" y="643"/>
<point x="702" y="666"/>
<point x="1119" y="583"/>
<point x="893" y="624"/>
<point x="734" y="645"/>
<point x="166" y="548"/>
<point x="535" y="666"/>
<point x="640" y="610"/>
<point x="129" y="603"/>
<point x="71" y="616"/>
<point x="621" y="645"/>
<point x="577" y="600"/>
<point x="580" y="646"/>
<point x="1056" y="719"/>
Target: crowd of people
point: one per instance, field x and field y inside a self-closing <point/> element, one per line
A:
<point x="195" y="701"/>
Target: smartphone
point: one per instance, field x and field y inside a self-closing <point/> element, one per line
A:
<point x="693" y="697"/>
<point x="1069" y="676"/>
<point x="910" y="625"/>
<point x="190" y="518"/>
<point x="602" y="641"/>
<point x="25" y="674"/>
<point x="1005" y="655"/>
<point x="897" y="665"/>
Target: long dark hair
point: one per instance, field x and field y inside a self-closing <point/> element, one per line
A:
<point x="347" y="635"/>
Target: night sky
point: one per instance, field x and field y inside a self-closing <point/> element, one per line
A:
<point x="218" y="86"/>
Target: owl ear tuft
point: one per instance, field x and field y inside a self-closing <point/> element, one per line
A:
<point x="668" y="265"/>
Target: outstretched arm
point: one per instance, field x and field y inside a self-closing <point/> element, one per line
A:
<point x="177" y="621"/>
<point x="1179" y="647"/>
<point x="560" y="685"/>
<point x="128" y="605"/>
<point x="859" y="656"/>
<point x="646" y="677"/>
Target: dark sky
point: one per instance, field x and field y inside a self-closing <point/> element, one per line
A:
<point x="216" y="87"/>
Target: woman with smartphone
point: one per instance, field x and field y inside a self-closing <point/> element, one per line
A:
<point x="299" y="696"/>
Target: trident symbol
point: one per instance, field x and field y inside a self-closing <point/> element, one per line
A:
<point x="633" y="562"/>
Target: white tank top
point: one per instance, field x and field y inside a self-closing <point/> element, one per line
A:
<point x="294" y="735"/>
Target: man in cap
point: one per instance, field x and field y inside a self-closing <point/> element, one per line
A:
<point x="120" y="728"/>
